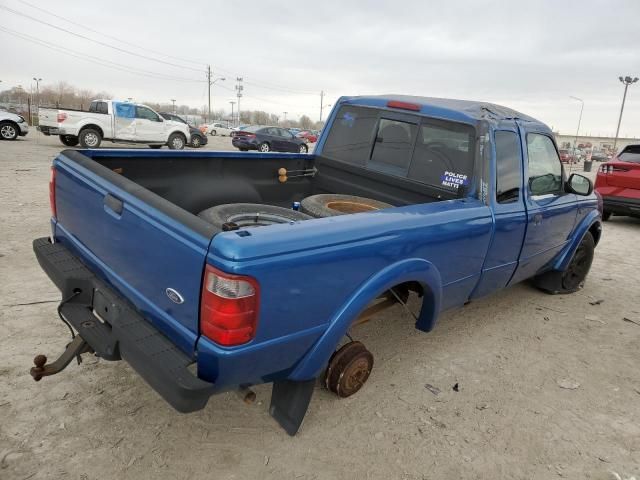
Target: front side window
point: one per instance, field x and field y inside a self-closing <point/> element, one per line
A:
<point x="146" y="113"/>
<point x="508" y="167"/>
<point x="545" y="169"/>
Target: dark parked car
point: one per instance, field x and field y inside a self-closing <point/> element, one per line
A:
<point x="599" y="156"/>
<point x="268" y="139"/>
<point x="198" y="139"/>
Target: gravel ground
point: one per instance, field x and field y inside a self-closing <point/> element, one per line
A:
<point x="548" y="386"/>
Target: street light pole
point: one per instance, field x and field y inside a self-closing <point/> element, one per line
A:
<point x="174" y="105"/>
<point x="233" y="120"/>
<point x="627" y="81"/>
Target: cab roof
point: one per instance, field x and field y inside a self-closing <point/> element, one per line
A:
<point x="446" y="108"/>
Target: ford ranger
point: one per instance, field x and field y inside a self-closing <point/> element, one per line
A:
<point x="118" y="122"/>
<point x="213" y="271"/>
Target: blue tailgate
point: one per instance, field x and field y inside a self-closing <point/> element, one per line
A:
<point x="141" y="251"/>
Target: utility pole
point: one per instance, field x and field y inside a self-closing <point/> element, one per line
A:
<point x="627" y="81"/>
<point x="285" y="118"/>
<point x="233" y="120"/>
<point x="173" y="100"/>
<point x="575" y="140"/>
<point x="209" y="92"/>
<point x="210" y="83"/>
<point x="321" y="102"/>
<point x="239" y="89"/>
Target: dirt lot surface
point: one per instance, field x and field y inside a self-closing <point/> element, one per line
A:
<point x="548" y="386"/>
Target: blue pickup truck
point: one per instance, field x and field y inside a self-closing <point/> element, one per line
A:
<point x="199" y="269"/>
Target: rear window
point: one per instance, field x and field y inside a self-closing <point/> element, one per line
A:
<point x="630" y="154"/>
<point x="434" y="152"/>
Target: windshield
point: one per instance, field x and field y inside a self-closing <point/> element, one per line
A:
<point x="630" y="154"/>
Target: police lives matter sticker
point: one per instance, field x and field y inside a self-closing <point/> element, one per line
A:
<point x="454" y="180"/>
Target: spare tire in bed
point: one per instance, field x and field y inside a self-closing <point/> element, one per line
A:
<point x="329" y="205"/>
<point x="249" y="215"/>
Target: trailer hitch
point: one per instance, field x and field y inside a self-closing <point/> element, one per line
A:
<point x="74" y="349"/>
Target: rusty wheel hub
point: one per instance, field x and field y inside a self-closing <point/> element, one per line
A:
<point x="348" y="369"/>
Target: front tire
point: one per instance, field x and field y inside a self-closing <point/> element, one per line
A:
<point x="304" y="148"/>
<point x="69" y="140"/>
<point x="573" y="278"/>
<point x="8" y="131"/>
<point x="176" y="141"/>
<point x="196" y="142"/>
<point x="90" y="138"/>
<point x="264" y="147"/>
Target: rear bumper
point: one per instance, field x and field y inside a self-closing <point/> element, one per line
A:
<point x="52" y="130"/>
<point x="622" y="205"/>
<point x="238" y="143"/>
<point x="120" y="332"/>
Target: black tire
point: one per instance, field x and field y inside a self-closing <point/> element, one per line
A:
<point x="213" y="133"/>
<point x="69" y="140"/>
<point x="90" y="138"/>
<point x="196" y="141"/>
<point x="606" y="215"/>
<point x="176" y="141"/>
<point x="330" y="205"/>
<point x="573" y="278"/>
<point x="9" y="131"/>
<point x="155" y="147"/>
<point x="303" y="148"/>
<point x="249" y="215"/>
<point x="264" y="147"/>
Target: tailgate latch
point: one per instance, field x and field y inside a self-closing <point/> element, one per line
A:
<point x="73" y="350"/>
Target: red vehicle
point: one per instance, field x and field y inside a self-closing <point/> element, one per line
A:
<point x="618" y="182"/>
<point x="308" y="135"/>
<point x="565" y="156"/>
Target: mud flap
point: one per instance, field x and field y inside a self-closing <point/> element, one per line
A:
<point x="289" y="403"/>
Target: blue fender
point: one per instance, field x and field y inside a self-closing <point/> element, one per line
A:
<point x="413" y="269"/>
<point x="564" y="258"/>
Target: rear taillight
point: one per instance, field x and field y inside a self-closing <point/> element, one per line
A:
<point x="62" y="117"/>
<point x="52" y="192"/>
<point x="228" y="307"/>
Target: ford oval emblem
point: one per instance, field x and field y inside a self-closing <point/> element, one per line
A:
<point x="174" y="296"/>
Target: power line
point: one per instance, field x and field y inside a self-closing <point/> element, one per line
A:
<point x="98" y="42"/>
<point x="109" y="36"/>
<point x="99" y="61"/>
<point x="265" y="85"/>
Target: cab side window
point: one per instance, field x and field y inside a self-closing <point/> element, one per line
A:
<point x="147" y="114"/>
<point x="545" y="169"/>
<point x="508" y="167"/>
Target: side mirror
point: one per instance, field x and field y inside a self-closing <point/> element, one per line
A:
<point x="580" y="185"/>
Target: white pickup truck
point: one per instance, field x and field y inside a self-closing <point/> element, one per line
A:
<point x="118" y="122"/>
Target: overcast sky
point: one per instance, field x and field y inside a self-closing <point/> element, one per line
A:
<point x="529" y="55"/>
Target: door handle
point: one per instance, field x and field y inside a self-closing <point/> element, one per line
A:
<point x="537" y="219"/>
<point x="114" y="204"/>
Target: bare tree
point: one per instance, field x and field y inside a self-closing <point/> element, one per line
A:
<point x="305" y="122"/>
